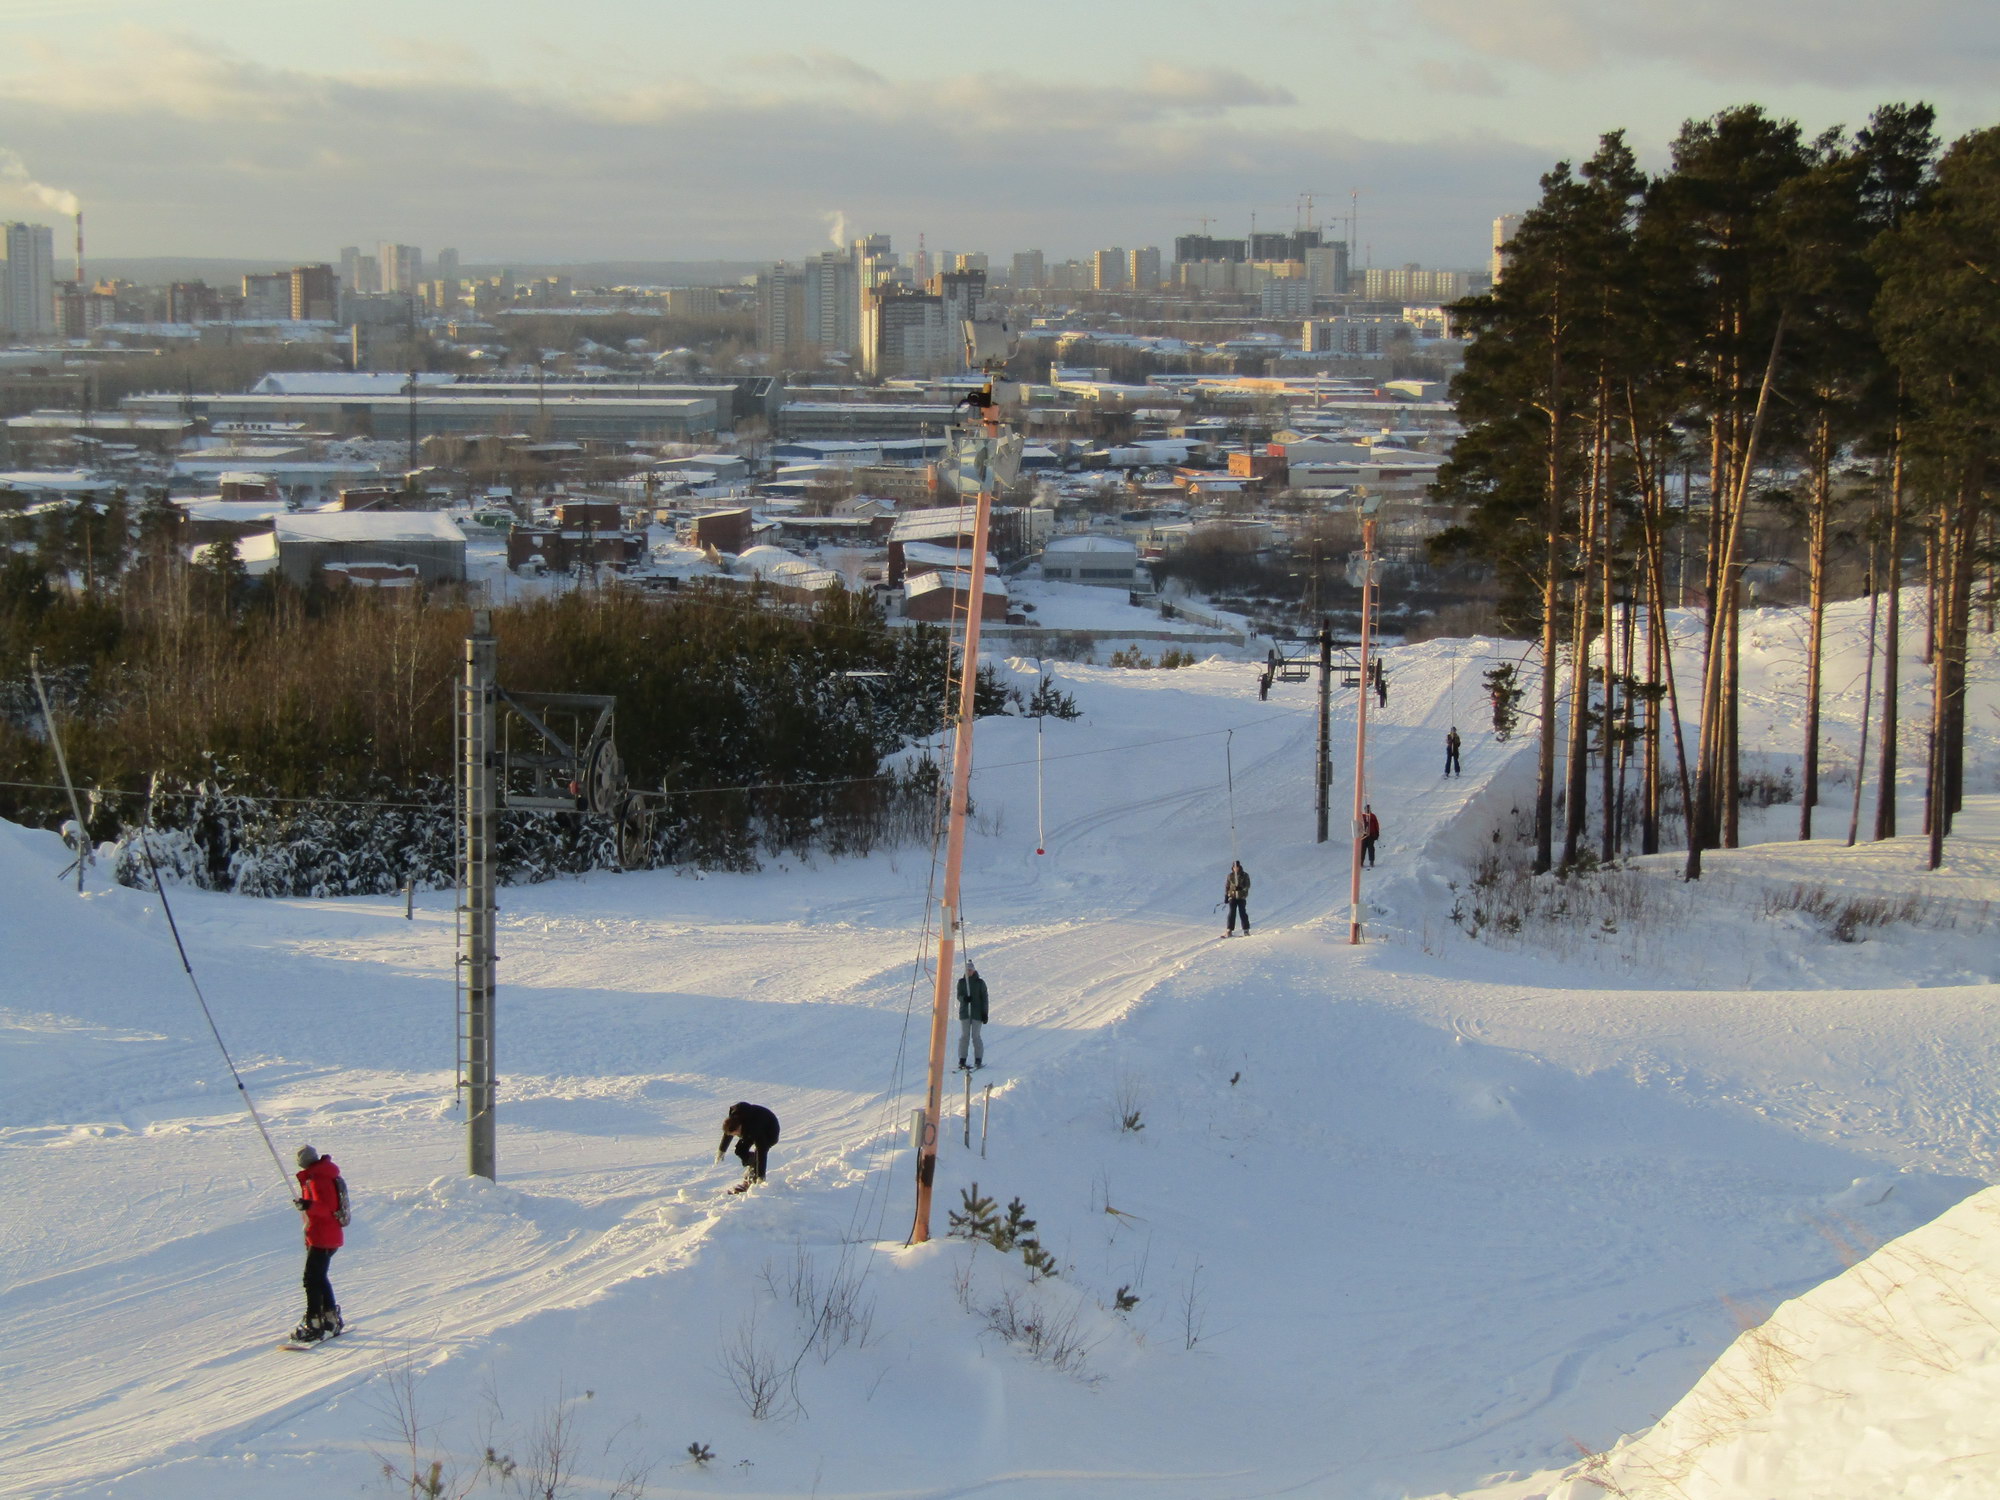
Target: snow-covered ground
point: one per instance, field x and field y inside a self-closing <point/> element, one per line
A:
<point x="1403" y="1218"/>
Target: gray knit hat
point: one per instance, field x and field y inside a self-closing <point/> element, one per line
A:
<point x="307" y="1156"/>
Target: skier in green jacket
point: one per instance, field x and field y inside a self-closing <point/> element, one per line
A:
<point x="971" y="1016"/>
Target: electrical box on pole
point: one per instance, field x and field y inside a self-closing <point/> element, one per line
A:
<point x="481" y="814"/>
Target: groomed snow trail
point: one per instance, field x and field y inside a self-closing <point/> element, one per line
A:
<point x="1431" y="1210"/>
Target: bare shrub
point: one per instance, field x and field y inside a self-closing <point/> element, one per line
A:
<point x="1055" y="1339"/>
<point x="1847" y="918"/>
<point x="829" y="1300"/>
<point x="414" y="1468"/>
<point x="1193" y="1309"/>
<point x="755" y="1372"/>
<point x="1128" y="1097"/>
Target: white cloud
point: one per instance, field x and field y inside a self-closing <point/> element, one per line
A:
<point x="179" y="145"/>
<point x="1835" y="43"/>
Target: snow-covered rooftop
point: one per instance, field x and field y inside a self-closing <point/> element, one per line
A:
<point x="369" y="526"/>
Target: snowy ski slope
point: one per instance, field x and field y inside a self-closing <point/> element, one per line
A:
<point x="1400" y="1218"/>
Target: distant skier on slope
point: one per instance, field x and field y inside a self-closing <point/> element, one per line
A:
<point x="323" y="1200"/>
<point x="1451" y="766"/>
<point x="971" y="1016"/>
<point x="756" y="1132"/>
<point x="1236" y="894"/>
<point x="1371" y="830"/>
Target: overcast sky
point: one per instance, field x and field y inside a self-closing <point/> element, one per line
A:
<point x="665" y="129"/>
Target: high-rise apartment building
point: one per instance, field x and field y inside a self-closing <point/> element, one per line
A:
<point x="903" y="332"/>
<point x="268" y="298"/>
<point x="781" y="311"/>
<point x="350" y="269"/>
<point x="1503" y="231"/>
<point x="1108" y="270"/>
<point x="28" y="290"/>
<point x="971" y="260"/>
<point x="1326" y="266"/>
<point x="959" y="294"/>
<point x="400" y="268"/>
<point x="314" y="293"/>
<point x="833" y="305"/>
<point x="193" y="302"/>
<point x="1283" y="244"/>
<point x="1143" y="272"/>
<point x="1029" y="270"/>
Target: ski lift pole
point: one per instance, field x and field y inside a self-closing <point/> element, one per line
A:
<point x="1361" y="715"/>
<point x="62" y="765"/>
<point x="961" y="776"/>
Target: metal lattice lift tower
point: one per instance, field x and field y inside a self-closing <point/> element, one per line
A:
<point x="550" y="752"/>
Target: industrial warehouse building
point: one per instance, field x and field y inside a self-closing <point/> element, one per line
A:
<point x="423" y="540"/>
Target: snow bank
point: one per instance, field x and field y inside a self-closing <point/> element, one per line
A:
<point x="1883" y="1382"/>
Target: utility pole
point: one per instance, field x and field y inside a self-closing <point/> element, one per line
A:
<point x="480" y="815"/>
<point x="1325" y="771"/>
<point x="1361" y="715"/>
<point x="83" y="854"/>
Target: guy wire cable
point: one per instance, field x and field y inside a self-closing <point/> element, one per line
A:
<point x="153" y="869"/>
<point x="1229" y="768"/>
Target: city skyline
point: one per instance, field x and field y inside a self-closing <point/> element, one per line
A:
<point x="636" y="133"/>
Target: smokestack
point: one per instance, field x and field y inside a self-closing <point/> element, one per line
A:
<point x="79" y="250"/>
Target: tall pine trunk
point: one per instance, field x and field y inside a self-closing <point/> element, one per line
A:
<point x="1818" y="524"/>
<point x="1885" y="797"/>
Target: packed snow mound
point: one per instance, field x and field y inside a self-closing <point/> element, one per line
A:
<point x="1883" y="1381"/>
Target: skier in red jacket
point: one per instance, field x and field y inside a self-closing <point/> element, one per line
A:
<point x="323" y="1200"/>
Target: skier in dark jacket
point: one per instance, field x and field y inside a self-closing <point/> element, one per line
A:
<point x="756" y="1132"/>
<point x="323" y="1200"/>
<point x="1371" y="830"/>
<point x="1236" y="894"/>
<point x="971" y="1016"/>
<point x="1451" y="766"/>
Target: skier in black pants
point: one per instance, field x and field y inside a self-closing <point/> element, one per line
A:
<point x="756" y="1132"/>
<point x="1371" y="830"/>
<point x="1451" y="767"/>
<point x="972" y="1016"/>
<point x="1236" y="894"/>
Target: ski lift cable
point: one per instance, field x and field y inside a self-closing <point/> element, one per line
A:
<point x="145" y="843"/>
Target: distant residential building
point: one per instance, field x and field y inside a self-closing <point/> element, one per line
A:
<point x="781" y="311"/>
<point x="1326" y="266"/>
<point x="1108" y="270"/>
<point x="903" y="332"/>
<point x="1204" y="247"/>
<point x="1143" y="269"/>
<point x="446" y="265"/>
<point x="972" y="260"/>
<point x="268" y="296"/>
<point x="1286" y="244"/>
<point x="1353" y="333"/>
<point x="28" y="292"/>
<point x="693" y="301"/>
<point x="959" y="293"/>
<point x="350" y="269"/>
<point x="1412" y="283"/>
<point x="314" y="293"/>
<point x="193" y="302"/>
<point x="1028" y="270"/>
<point x="1286" y="297"/>
<point x="832" y="305"/>
<point x="401" y="267"/>
<point x="367" y="275"/>
<point x="1504" y="228"/>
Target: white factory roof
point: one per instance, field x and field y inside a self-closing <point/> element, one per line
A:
<point x="931" y="555"/>
<point x="961" y="583"/>
<point x="369" y="526"/>
<point x="342" y="383"/>
<point x="1091" y="543"/>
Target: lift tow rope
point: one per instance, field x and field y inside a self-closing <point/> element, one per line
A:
<point x="1229" y="769"/>
<point x="145" y="844"/>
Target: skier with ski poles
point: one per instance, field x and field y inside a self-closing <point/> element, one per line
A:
<point x="322" y="1200"/>
<point x="756" y="1131"/>
<point x="971" y="1016"/>
<point x="1451" y="766"/>
<point x="1236" y="895"/>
